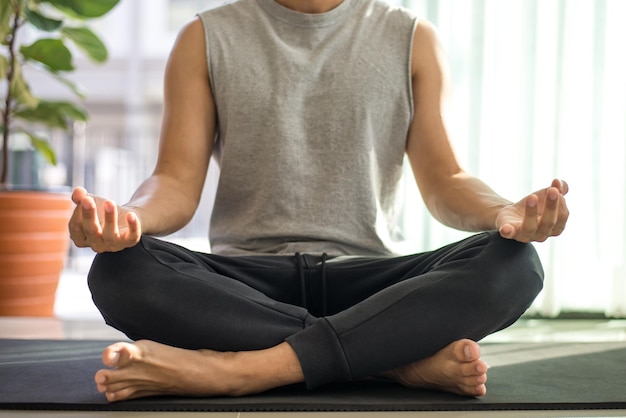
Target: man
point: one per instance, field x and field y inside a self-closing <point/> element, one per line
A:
<point x="313" y="105"/>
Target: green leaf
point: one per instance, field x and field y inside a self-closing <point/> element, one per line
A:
<point x="20" y="88"/>
<point x="53" y="114"/>
<point x="42" y="22"/>
<point x="71" y="110"/>
<point x="85" y="9"/>
<point x="41" y="145"/>
<point x="50" y="52"/>
<point x="44" y="116"/>
<point x="88" y="42"/>
<point x="76" y="89"/>
<point x="6" y="13"/>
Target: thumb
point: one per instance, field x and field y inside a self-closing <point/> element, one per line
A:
<point x="507" y="231"/>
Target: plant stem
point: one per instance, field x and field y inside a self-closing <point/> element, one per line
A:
<point x="8" y="103"/>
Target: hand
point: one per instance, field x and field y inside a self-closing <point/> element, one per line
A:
<point x="102" y="225"/>
<point x="537" y="217"/>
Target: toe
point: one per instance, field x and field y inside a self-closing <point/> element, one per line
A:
<point x="474" y="380"/>
<point x="101" y="379"/>
<point x="466" y="350"/>
<point x="475" y="368"/>
<point x="130" y="392"/>
<point x="118" y="354"/>
<point x="480" y="390"/>
<point x="110" y="357"/>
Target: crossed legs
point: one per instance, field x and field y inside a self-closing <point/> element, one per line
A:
<point x="416" y="325"/>
<point x="147" y="368"/>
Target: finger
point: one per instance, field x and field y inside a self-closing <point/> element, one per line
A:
<point x="75" y="223"/>
<point x="562" y="217"/>
<point x="110" y="230"/>
<point x="90" y="223"/>
<point x="507" y="231"/>
<point x="134" y="227"/>
<point x="530" y="222"/>
<point x="549" y="215"/>
<point x="561" y="186"/>
<point x="79" y="194"/>
<point x="75" y="226"/>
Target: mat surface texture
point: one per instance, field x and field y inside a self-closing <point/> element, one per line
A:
<point x="58" y="375"/>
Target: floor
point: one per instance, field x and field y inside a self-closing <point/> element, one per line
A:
<point x="77" y="318"/>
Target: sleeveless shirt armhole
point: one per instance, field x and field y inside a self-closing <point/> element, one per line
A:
<point x="207" y="50"/>
<point x="410" y="70"/>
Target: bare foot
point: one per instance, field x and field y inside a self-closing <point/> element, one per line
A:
<point x="456" y="368"/>
<point x="147" y="368"/>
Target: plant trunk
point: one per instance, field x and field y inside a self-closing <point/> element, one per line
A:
<point x="8" y="102"/>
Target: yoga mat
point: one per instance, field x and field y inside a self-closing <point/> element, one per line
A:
<point x="58" y="375"/>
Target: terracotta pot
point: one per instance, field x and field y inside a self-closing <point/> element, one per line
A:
<point x="34" y="242"/>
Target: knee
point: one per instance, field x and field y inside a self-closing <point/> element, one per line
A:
<point x="515" y="274"/>
<point x="111" y="277"/>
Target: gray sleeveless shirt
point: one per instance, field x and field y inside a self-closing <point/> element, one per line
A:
<point x="313" y="115"/>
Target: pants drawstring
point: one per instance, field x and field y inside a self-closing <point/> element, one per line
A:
<point x="324" y="292"/>
<point x="303" y="284"/>
<point x="302" y="280"/>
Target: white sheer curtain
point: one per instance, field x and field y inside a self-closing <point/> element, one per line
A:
<point x="539" y="91"/>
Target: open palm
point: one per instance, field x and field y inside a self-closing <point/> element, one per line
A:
<point x="536" y="217"/>
<point x="101" y="225"/>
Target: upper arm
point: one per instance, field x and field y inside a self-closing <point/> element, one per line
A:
<point x="428" y="146"/>
<point x="189" y="119"/>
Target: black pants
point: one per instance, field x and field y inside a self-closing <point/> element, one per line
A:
<point x="346" y="318"/>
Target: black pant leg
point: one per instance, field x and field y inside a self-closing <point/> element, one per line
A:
<point x="404" y="308"/>
<point x="465" y="290"/>
<point x="162" y="292"/>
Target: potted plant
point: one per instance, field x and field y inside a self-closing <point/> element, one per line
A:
<point x="33" y="221"/>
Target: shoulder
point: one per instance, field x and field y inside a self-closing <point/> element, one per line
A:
<point x="189" y="52"/>
<point x="425" y="34"/>
<point x="384" y="7"/>
<point x="392" y="25"/>
<point x="427" y="52"/>
<point x="193" y="31"/>
<point x="382" y="12"/>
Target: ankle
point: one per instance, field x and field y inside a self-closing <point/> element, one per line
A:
<point x="242" y="374"/>
<point x="261" y="370"/>
<point x="408" y="375"/>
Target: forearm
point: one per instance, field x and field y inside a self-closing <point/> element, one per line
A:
<point x="162" y="205"/>
<point x="465" y="202"/>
